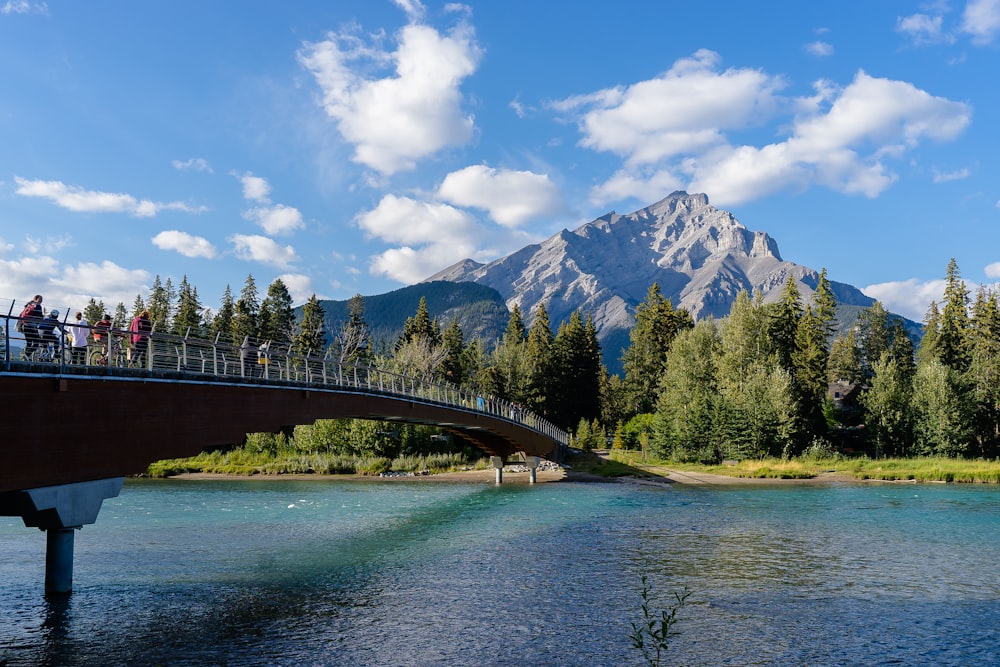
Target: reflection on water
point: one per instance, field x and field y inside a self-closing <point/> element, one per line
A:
<point x="337" y="573"/>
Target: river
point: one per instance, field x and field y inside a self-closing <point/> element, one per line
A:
<point x="280" y="572"/>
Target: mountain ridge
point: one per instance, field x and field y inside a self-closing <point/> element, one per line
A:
<point x="700" y="256"/>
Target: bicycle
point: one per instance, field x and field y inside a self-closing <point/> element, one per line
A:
<point x="117" y="356"/>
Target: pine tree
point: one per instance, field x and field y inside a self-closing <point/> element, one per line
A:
<point x="656" y="325"/>
<point x="453" y="367"/>
<point x="94" y="311"/>
<point x="420" y="326"/>
<point x="540" y="360"/>
<point x="844" y="361"/>
<point x="953" y="336"/>
<point x="824" y="304"/>
<point x="576" y="372"/>
<point x="276" y="317"/>
<point x="809" y="362"/>
<point x="874" y="336"/>
<point x="188" y="315"/>
<point x="984" y="371"/>
<point x="245" y="313"/>
<point x="222" y="323"/>
<point x="160" y="301"/>
<point x="137" y="306"/>
<point x="785" y="323"/>
<point x="311" y="339"/>
<point x="353" y="342"/>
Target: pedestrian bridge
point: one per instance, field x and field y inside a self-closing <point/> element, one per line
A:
<point x="72" y="432"/>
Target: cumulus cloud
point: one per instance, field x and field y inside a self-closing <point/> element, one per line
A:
<point x="981" y="20"/>
<point x="184" y="243"/>
<point x="23" y="7"/>
<point x="992" y="270"/>
<point x="432" y="235"/>
<point x="923" y="29"/>
<point x="256" y="188"/>
<point x="909" y="298"/>
<point x="415" y="108"/>
<point x="819" y="49"/>
<point x="299" y="286"/>
<point x="192" y="164"/>
<point x="77" y="199"/>
<point x="674" y="129"/>
<point x="254" y="248"/>
<point x="70" y="286"/>
<point x="510" y="197"/>
<point x="275" y="219"/>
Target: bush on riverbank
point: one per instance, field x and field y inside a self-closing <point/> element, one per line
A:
<point x="243" y="462"/>
<point x="918" y="469"/>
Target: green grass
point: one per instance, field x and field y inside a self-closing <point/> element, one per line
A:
<point x="921" y="469"/>
<point x="242" y="462"/>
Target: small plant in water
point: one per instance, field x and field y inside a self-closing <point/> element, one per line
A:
<point x="652" y="636"/>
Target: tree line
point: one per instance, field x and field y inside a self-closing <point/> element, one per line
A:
<point x="756" y="383"/>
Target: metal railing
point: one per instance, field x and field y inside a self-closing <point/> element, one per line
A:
<point x="188" y="357"/>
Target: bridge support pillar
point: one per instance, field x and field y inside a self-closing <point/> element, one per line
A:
<point x="497" y="462"/>
<point x="532" y="463"/>
<point x="60" y="511"/>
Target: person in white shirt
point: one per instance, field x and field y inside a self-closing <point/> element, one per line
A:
<point x="78" y="332"/>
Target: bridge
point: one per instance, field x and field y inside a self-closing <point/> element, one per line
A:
<point x="73" y="432"/>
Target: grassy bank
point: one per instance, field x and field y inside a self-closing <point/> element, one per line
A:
<point x="924" y="469"/>
<point x="242" y="462"/>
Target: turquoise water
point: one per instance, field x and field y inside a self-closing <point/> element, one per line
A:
<point x="268" y="572"/>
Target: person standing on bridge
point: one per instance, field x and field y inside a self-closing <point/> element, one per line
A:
<point x="78" y="332"/>
<point x="140" y="328"/>
<point x="31" y="317"/>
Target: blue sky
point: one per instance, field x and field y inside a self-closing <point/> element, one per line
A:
<point x="359" y="146"/>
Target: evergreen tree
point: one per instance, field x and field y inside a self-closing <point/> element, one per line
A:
<point x="874" y="336"/>
<point x="929" y="348"/>
<point x="453" y="367"/>
<point x="656" y="325"/>
<point x="844" y="362"/>
<point x="825" y="305"/>
<point x="276" y="317"/>
<point x="420" y="326"/>
<point x="137" y="306"/>
<point x="686" y="412"/>
<point x="785" y="315"/>
<point x="809" y="361"/>
<point x="311" y="339"/>
<point x="353" y="343"/>
<point x="984" y="371"/>
<point x="515" y="331"/>
<point x="222" y="323"/>
<point x="577" y="373"/>
<point x="887" y="404"/>
<point x="245" y="313"/>
<point x="540" y="360"/>
<point x="120" y="320"/>
<point x="188" y="315"/>
<point x="953" y="336"/>
<point x="94" y="311"/>
<point x="944" y="420"/>
<point x="160" y="301"/>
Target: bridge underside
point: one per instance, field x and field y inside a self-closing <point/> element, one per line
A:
<point x="66" y="429"/>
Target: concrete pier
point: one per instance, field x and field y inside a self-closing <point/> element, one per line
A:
<point x="497" y="462"/>
<point x="60" y="511"/>
<point x="532" y="463"/>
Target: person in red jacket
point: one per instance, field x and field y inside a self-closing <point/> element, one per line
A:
<point x="140" y="328"/>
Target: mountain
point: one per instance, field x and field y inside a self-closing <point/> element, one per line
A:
<point x="479" y="309"/>
<point x="700" y="256"/>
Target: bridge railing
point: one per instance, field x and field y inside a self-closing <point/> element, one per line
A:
<point x="171" y="355"/>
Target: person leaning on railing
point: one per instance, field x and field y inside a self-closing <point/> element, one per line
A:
<point x="78" y="332"/>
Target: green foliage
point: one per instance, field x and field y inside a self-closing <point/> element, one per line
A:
<point x="652" y="635"/>
<point x="311" y="338"/>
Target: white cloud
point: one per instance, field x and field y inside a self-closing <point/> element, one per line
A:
<point x="992" y="270"/>
<point x="923" y="29"/>
<point x="687" y="109"/>
<point x="253" y="248"/>
<point x="256" y="188"/>
<point x="909" y="298"/>
<point x="511" y="197"/>
<point x="23" y="7"/>
<point x="981" y="19"/>
<point x="947" y="176"/>
<point x="819" y="49"/>
<point x="841" y="139"/>
<point x="299" y="286"/>
<point x="277" y="220"/>
<point x="192" y="164"/>
<point x="412" y="112"/>
<point x="184" y="243"/>
<point x="432" y="236"/>
<point x="48" y="245"/>
<point x="62" y="284"/>
<point x="77" y="199"/>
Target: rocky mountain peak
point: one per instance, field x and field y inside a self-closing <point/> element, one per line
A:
<point x="700" y="256"/>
